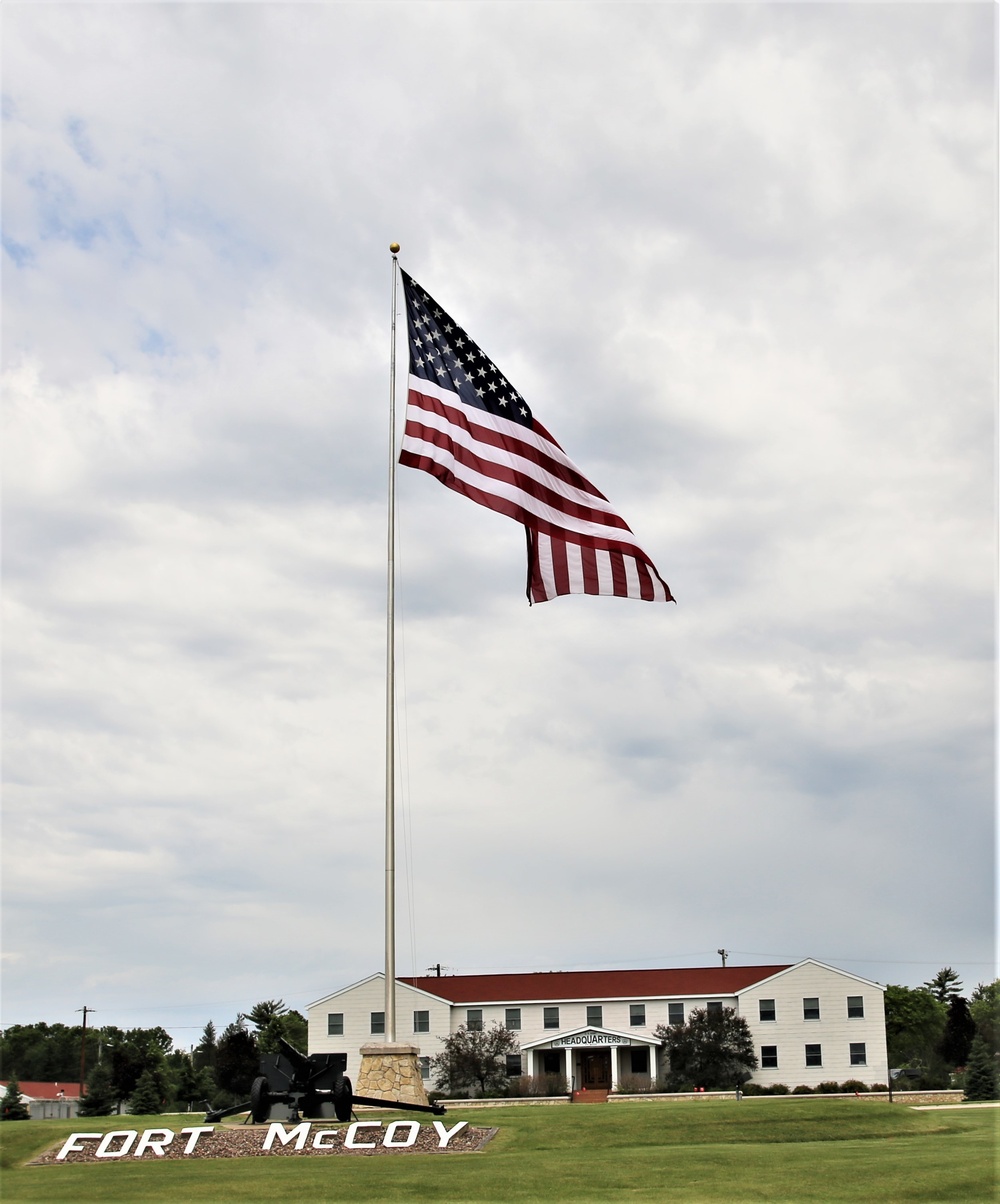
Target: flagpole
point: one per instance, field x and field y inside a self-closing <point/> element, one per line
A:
<point x="390" y="693"/>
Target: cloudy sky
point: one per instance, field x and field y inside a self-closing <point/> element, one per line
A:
<point x="740" y="259"/>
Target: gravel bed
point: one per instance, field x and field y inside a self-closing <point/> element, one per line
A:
<point x="247" y="1141"/>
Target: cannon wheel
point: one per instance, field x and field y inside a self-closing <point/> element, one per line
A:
<point x="260" y="1100"/>
<point x="343" y="1097"/>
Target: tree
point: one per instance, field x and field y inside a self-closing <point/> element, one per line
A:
<point x="237" y="1062"/>
<point x="475" y="1058"/>
<point x="292" y="1026"/>
<point x="959" y="1030"/>
<point x="714" y="1049"/>
<point x="194" y="1086"/>
<point x="985" y="1008"/>
<point x="944" y="985"/>
<point x="12" y="1106"/>
<point x="981" y="1074"/>
<point x="134" y="1052"/>
<point x="261" y="1014"/>
<point x="47" y="1053"/>
<point x="147" y="1098"/>
<point x="207" y="1047"/>
<point x="100" y="1097"/>
<point x="914" y="1025"/>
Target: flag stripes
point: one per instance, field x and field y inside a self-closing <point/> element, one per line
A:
<point x="468" y="426"/>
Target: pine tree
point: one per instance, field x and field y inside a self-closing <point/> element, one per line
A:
<point x="944" y="985"/>
<point x="206" y="1049"/>
<point x="11" y="1106"/>
<point x="237" y="1062"/>
<point x="145" y="1099"/>
<point x="959" y="1031"/>
<point x="100" y="1098"/>
<point x="981" y="1073"/>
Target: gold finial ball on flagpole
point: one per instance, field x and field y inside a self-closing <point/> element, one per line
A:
<point x="394" y="248"/>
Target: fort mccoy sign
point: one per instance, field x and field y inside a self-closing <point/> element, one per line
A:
<point x="363" y="1137"/>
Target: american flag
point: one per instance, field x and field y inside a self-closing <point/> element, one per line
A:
<point x="468" y="426"/>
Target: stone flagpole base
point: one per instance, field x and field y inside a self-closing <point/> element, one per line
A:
<point x="390" y="1071"/>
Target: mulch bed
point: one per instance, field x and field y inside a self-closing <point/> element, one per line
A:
<point x="247" y="1141"/>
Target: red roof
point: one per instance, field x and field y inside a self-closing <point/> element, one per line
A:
<point x="593" y="984"/>
<point x="46" y="1090"/>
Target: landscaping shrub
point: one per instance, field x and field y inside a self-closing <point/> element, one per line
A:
<point x="879" y="1087"/>
<point x="779" y="1089"/>
<point x="853" y="1085"/>
<point x="537" y="1084"/>
<point x="828" y="1089"/>
<point x="802" y="1089"/>
<point x="634" y="1084"/>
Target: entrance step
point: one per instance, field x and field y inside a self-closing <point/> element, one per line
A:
<point x="583" y="1096"/>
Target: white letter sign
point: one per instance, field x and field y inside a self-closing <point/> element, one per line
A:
<point x="351" y="1144"/>
<point x="155" y="1140"/>
<point x="390" y="1133"/>
<point x="196" y="1132"/>
<point x="300" y="1133"/>
<point x="104" y="1149"/>
<point x="446" y="1135"/>
<point x="72" y="1146"/>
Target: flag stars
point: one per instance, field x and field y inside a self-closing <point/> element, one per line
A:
<point x="441" y="351"/>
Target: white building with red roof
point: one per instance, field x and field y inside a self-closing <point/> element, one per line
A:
<point x="810" y="1022"/>
<point x="48" y="1101"/>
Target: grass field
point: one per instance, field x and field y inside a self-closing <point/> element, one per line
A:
<point x="760" y="1149"/>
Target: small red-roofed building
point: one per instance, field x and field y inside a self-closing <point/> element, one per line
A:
<point x="49" y="1101"/>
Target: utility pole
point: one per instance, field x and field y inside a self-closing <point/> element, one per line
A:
<point x="83" y="1047"/>
<point x="723" y="953"/>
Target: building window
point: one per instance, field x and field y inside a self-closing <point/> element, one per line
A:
<point x="550" y="1017"/>
<point x="378" y="1022"/>
<point x="552" y="1062"/>
<point x="512" y="1019"/>
<point x="640" y="1061"/>
<point x="595" y="1015"/>
<point x="335" y="1024"/>
<point x="767" y="1011"/>
<point x="474" y="1020"/>
<point x="814" y="1055"/>
<point x="769" y="1057"/>
<point x="675" y="1013"/>
<point x="425" y="1068"/>
<point x="855" y="1007"/>
<point x="513" y="1065"/>
<point x="714" y="1008"/>
<point x="810" y="1008"/>
<point x="637" y="1014"/>
<point x="858" y="1055"/>
<point x="421" y="1022"/>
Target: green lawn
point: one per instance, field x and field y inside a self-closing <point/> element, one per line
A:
<point x="760" y="1149"/>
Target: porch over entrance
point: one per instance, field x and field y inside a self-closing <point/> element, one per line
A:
<point x="595" y="1059"/>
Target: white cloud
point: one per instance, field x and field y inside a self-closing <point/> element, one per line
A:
<point x="740" y="259"/>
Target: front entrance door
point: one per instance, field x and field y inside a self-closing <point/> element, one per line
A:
<point x="595" y="1068"/>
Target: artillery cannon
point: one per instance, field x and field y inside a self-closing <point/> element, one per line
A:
<point x="292" y="1085"/>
